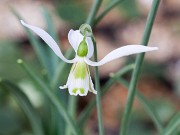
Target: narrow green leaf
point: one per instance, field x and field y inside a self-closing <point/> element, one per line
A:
<point x="172" y="125"/>
<point x="54" y="100"/>
<point x="54" y="60"/>
<point x="49" y="23"/>
<point x="136" y="71"/>
<point x="51" y="30"/>
<point x="147" y="106"/>
<point x="72" y="105"/>
<point x="92" y="14"/>
<point x="26" y="106"/>
<point x="60" y="78"/>
<point x="107" y="9"/>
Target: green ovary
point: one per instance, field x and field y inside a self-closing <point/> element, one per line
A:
<point x="82" y="49"/>
<point x="80" y="70"/>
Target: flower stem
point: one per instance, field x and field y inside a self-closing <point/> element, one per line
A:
<point x="139" y="60"/>
<point x="90" y="21"/>
<point x="93" y="12"/>
<point x="98" y="96"/>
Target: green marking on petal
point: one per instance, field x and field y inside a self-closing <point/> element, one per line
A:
<point x="74" y="90"/>
<point x="80" y="70"/>
<point x="82" y="91"/>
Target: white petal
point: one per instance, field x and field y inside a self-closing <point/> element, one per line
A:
<point x="90" y="47"/>
<point x="120" y="52"/>
<point x="75" y="37"/>
<point x="49" y="41"/>
<point x="91" y="85"/>
<point x="63" y="87"/>
<point x="69" y="78"/>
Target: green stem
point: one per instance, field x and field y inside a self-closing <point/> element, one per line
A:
<point x="72" y="111"/>
<point x="90" y="21"/>
<point x="93" y="12"/>
<point x="108" y="8"/>
<point x="148" y="107"/>
<point x="172" y="125"/>
<point x="135" y="75"/>
<point x="87" y="111"/>
<point x="98" y="96"/>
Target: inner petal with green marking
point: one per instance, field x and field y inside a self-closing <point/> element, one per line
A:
<point x="80" y="71"/>
<point x="79" y="80"/>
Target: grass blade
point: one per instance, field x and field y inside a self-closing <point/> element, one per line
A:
<point x="135" y="75"/>
<point x="173" y="124"/>
<point x="72" y="105"/>
<point x="54" y="100"/>
<point x="51" y="30"/>
<point x="108" y="8"/>
<point x="94" y="9"/>
<point x="54" y="60"/>
<point x="148" y="107"/>
<point x="26" y="106"/>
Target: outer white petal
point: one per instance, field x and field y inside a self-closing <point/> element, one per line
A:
<point x="75" y="37"/>
<point x="91" y="85"/>
<point x="90" y="47"/>
<point x="120" y="52"/>
<point x="49" y="41"/>
<point x="63" y="87"/>
<point x="69" y="78"/>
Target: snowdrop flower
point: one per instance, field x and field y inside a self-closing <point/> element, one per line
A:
<point x="79" y="81"/>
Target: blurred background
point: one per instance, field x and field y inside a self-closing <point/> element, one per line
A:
<point x="160" y="75"/>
